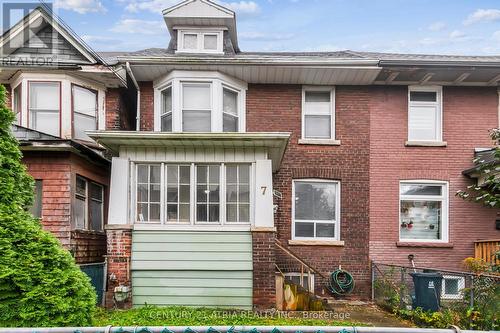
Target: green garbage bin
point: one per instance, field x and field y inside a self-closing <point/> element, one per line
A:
<point x="427" y="291"/>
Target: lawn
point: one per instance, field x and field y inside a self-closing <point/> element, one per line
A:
<point x="182" y="316"/>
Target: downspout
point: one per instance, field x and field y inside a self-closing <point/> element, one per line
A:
<point x="138" y="111"/>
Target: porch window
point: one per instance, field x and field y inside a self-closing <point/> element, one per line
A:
<point x="423" y="211"/>
<point x="424" y="114"/>
<point x="213" y="194"/>
<point x="196" y="107"/>
<point x="84" y="111"/>
<point x="318" y="113"/>
<point x="44" y="107"/>
<point x="316" y="210"/>
<point x="88" y="206"/>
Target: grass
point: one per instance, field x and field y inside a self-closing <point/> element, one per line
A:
<point x="182" y="316"/>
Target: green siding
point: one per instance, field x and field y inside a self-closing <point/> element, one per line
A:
<point x="192" y="268"/>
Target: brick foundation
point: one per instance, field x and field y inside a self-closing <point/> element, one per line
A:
<point x="119" y="247"/>
<point x="264" y="284"/>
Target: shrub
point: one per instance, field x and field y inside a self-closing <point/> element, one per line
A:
<point x="40" y="284"/>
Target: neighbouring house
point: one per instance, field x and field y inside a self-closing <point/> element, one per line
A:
<point x="230" y="167"/>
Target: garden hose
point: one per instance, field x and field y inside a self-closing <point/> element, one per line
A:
<point x="341" y="282"/>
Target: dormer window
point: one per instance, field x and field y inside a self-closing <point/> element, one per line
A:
<point x="200" y="41"/>
<point x="199" y="102"/>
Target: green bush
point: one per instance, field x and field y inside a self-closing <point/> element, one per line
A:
<point x="40" y="284"/>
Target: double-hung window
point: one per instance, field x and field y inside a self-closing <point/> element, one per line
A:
<point x="44" y="106"/>
<point x="166" y="110"/>
<point x="315" y="209"/>
<point x="425" y="114"/>
<point x="423" y="211"/>
<point x="318" y="114"/>
<point x="88" y="205"/>
<point x="196" y="107"/>
<point x="84" y="111"/>
<point x="16" y="102"/>
<point x="200" y="41"/>
<point x="230" y="110"/>
<point x="36" y="207"/>
<point x="209" y="194"/>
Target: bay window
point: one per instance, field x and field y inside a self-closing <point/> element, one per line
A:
<point x="423" y="211"/>
<point x="84" y="111"/>
<point x="199" y="102"/>
<point x="209" y="194"/>
<point x="16" y="102"/>
<point x="44" y="106"/>
<point x="424" y="114"/>
<point x="318" y="113"/>
<point x="315" y="209"/>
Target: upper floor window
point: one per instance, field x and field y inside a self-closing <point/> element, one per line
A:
<point x="423" y="211"/>
<point x="199" y="41"/>
<point x="424" y="113"/>
<point x="315" y="209"/>
<point x="84" y="111"/>
<point x="45" y="107"/>
<point x="199" y="104"/>
<point x="16" y="102"/>
<point x="318" y="113"/>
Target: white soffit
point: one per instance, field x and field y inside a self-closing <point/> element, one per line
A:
<point x="330" y="75"/>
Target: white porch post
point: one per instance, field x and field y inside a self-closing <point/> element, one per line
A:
<point x="118" y="194"/>
<point x="264" y="213"/>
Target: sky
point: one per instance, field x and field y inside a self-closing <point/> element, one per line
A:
<point x="469" y="27"/>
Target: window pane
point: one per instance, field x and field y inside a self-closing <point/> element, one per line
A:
<point x="196" y="97"/>
<point x="79" y="215"/>
<point x="85" y="101"/>
<point x="244" y="173"/>
<point x="325" y="230"/>
<point x="96" y="191"/>
<point x="196" y="121"/>
<point x="317" y="96"/>
<point x="155" y="174"/>
<point x="166" y="122"/>
<point x="303" y="229"/>
<point x="232" y="212"/>
<point x="172" y="194"/>
<point x="166" y="98"/>
<point x="420" y="219"/>
<point x="184" y="193"/>
<point x="230" y="123"/>
<point x="172" y="174"/>
<point x="148" y="192"/>
<point x="16" y="103"/>
<point x="414" y="189"/>
<point x="214" y="174"/>
<point x="142" y="173"/>
<point x="44" y="96"/>
<point x="172" y="213"/>
<point x="451" y="286"/>
<point x="230" y="101"/>
<point x="232" y="193"/>
<point x="202" y="193"/>
<point x="83" y="123"/>
<point x="142" y="212"/>
<point x="45" y="121"/>
<point x="315" y="201"/>
<point x="201" y="174"/>
<point x="95" y="215"/>
<point x="154" y="212"/>
<point x="423" y="123"/>
<point x="244" y="193"/>
<point x="81" y="186"/>
<point x="423" y="96"/>
<point x="184" y="214"/>
<point x="190" y="41"/>
<point x="142" y="193"/>
<point x="154" y="193"/>
<point x="318" y="127"/>
<point x="36" y="207"/>
<point x="231" y="174"/>
<point x="213" y="213"/>
<point x="210" y="42"/>
<point x="244" y="213"/>
<point x="201" y="213"/>
<point x="185" y="174"/>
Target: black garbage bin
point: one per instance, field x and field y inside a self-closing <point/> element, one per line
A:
<point x="427" y="290"/>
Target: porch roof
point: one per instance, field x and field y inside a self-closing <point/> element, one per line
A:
<point x="274" y="142"/>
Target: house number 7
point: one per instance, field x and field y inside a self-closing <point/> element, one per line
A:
<point x="263" y="188"/>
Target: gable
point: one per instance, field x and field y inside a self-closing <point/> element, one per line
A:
<point x="48" y="43"/>
<point x="198" y="8"/>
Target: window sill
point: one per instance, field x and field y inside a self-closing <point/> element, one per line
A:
<point x="321" y="142"/>
<point x="425" y="245"/>
<point x="426" y="143"/>
<point x="315" y="242"/>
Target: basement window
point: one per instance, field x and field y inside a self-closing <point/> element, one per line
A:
<point x="425" y="114"/>
<point x="304" y="280"/>
<point x="452" y="287"/>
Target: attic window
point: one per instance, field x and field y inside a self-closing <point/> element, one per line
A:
<point x="199" y="41"/>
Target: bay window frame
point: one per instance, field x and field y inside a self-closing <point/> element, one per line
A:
<point x="73" y="111"/>
<point x="336" y="221"/>
<point x="59" y="111"/>
<point x="443" y="198"/>
<point x="218" y="81"/>
<point x="193" y="185"/>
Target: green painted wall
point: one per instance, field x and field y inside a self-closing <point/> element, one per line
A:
<point x="192" y="268"/>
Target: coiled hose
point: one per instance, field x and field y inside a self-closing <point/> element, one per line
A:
<point x="341" y="282"/>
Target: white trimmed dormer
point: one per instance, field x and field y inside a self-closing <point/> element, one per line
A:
<point x="201" y="26"/>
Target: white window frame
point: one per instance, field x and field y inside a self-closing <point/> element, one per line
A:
<point x="331" y="89"/>
<point x="17" y="102"/>
<point x="200" y="35"/>
<point x="444" y="198"/>
<point x="211" y="95"/>
<point x="438" y="103"/>
<point x="309" y="277"/>
<point x="193" y="182"/>
<point x="74" y="112"/>
<point x="337" y="210"/>
<point x="218" y="82"/>
<point x="461" y="282"/>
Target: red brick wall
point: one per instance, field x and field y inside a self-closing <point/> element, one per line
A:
<point x="58" y="171"/>
<point x="278" y="108"/>
<point x="147" y="106"/>
<point x="264" y="285"/>
<point x="119" y="245"/>
<point x="468" y="115"/>
<point x="113" y="108"/>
